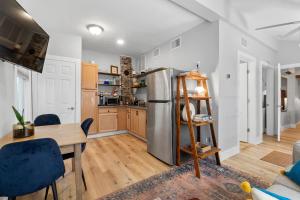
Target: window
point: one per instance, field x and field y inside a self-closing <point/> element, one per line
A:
<point x="23" y="97"/>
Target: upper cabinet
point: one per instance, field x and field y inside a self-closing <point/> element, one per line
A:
<point x="89" y="76"/>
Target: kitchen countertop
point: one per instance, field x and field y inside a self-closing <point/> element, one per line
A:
<point x="126" y="106"/>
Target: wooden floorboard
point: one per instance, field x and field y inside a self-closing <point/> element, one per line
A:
<point x="115" y="162"/>
<point x="109" y="164"/>
<point x="249" y="158"/>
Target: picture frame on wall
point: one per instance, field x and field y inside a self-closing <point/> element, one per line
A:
<point x="114" y="69"/>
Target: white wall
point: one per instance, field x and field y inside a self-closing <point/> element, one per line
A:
<point x="230" y="44"/>
<point x="291" y="117"/>
<point x="7" y="97"/>
<point x="198" y="44"/>
<point x="216" y="46"/>
<point x="104" y="60"/>
<point x="65" y="45"/>
<point x="297" y="101"/>
<point x="289" y="52"/>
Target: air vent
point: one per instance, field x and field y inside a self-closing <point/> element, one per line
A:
<point x="156" y="52"/>
<point x="176" y="43"/>
<point x="244" y="42"/>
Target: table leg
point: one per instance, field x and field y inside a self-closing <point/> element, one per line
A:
<point x="78" y="171"/>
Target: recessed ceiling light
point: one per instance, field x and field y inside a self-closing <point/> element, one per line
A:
<point x="95" y="29"/>
<point x="120" y="41"/>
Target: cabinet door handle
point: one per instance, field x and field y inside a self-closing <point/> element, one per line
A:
<point x="137" y="112"/>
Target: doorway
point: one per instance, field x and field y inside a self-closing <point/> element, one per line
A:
<point x="267" y="99"/>
<point x="55" y="90"/>
<point x="247" y="98"/>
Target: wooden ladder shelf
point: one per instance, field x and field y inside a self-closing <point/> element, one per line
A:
<point x="193" y="149"/>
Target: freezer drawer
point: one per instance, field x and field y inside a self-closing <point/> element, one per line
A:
<point x="159" y="131"/>
<point x="159" y="85"/>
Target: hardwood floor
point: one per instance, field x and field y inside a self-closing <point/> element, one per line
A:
<point x="109" y="164"/>
<point x="115" y="162"/>
<point x="249" y="158"/>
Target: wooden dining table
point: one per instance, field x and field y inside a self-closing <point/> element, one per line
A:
<point x="69" y="138"/>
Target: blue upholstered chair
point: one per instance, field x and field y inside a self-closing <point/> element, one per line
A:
<point x="26" y="167"/>
<point x="47" y="119"/>
<point x="86" y="124"/>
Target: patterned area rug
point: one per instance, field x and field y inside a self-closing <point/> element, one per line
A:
<point x="278" y="158"/>
<point x="219" y="183"/>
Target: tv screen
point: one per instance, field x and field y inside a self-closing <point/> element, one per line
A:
<point x="22" y="40"/>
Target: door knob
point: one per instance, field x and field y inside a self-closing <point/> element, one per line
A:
<point x="71" y="108"/>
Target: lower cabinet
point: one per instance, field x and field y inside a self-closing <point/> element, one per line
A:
<point x="122" y="118"/>
<point x="138" y="122"/>
<point x="142" y="123"/>
<point x="128" y="120"/>
<point x="108" y="120"/>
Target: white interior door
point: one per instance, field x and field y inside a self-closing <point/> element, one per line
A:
<point x="243" y="101"/>
<point x="278" y="101"/>
<point x="270" y="100"/>
<point x="56" y="90"/>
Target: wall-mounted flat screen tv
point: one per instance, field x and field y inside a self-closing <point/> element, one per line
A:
<point x="22" y="41"/>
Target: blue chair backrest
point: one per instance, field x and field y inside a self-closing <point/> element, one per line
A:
<point x="86" y="124"/>
<point x="47" y="119"/>
<point x="26" y="167"/>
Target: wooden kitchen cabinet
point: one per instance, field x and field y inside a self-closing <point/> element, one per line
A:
<point x="142" y="123"/>
<point x="89" y="108"/>
<point x="134" y="118"/>
<point x="108" y="120"/>
<point x="138" y="120"/>
<point x="122" y="118"/>
<point x="128" y="119"/>
<point x="89" y="76"/>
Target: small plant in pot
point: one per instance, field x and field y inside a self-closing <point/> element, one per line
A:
<point x="22" y="129"/>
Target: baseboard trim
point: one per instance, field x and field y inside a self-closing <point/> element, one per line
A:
<point x="107" y="134"/>
<point x="137" y="136"/>
<point x="229" y="153"/>
<point x="284" y="127"/>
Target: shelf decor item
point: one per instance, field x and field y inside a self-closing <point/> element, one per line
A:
<point x="114" y="69"/>
<point x="22" y="129"/>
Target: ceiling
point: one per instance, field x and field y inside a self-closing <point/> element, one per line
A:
<point x="143" y="24"/>
<point x="260" y="13"/>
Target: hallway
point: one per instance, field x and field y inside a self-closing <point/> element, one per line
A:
<point x="249" y="158"/>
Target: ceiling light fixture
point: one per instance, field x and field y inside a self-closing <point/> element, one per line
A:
<point x="95" y="29"/>
<point x="120" y="42"/>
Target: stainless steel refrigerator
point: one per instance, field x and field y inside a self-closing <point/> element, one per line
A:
<point x="161" y="119"/>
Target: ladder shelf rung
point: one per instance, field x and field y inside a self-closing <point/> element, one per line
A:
<point x="197" y="98"/>
<point x="199" y="123"/>
<point x="201" y="155"/>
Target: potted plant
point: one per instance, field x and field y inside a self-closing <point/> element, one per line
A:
<point x="22" y="129"/>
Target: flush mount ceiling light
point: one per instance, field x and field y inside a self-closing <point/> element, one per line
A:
<point x="95" y="29"/>
<point x="120" y="42"/>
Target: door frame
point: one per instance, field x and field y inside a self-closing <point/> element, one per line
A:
<point x="251" y="60"/>
<point x="264" y="64"/>
<point x="77" y="63"/>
